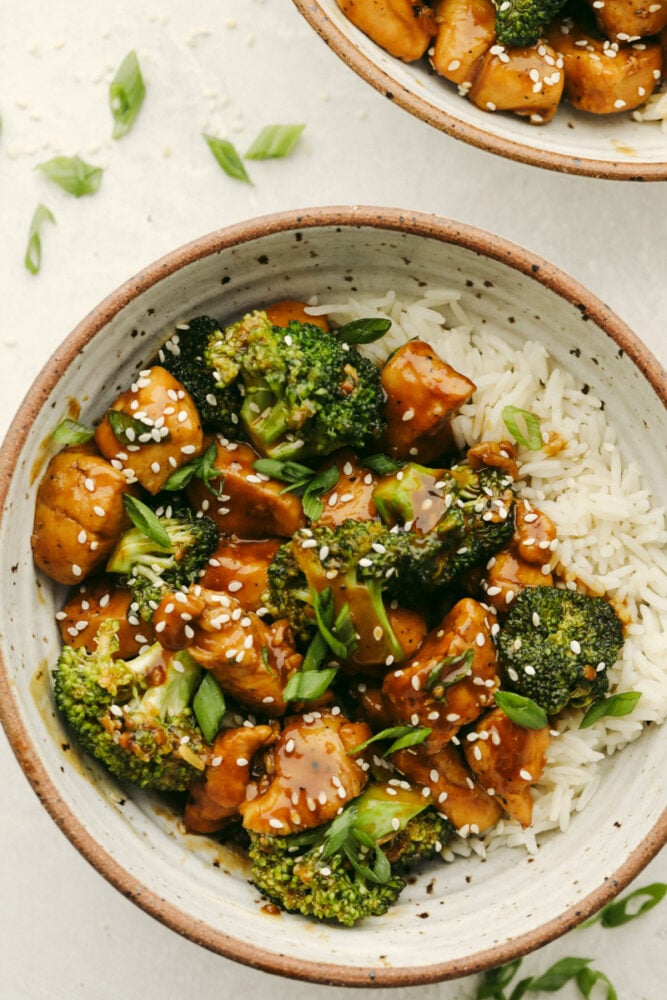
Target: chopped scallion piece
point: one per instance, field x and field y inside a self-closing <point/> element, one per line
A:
<point x="522" y="711"/>
<point x="145" y="520"/>
<point x="306" y="685"/>
<point x="530" y="435"/>
<point x="69" y="431"/>
<point x="274" y="142"/>
<point x="403" y="736"/>
<point x="625" y="909"/>
<point x="227" y="158"/>
<point x="73" y="174"/>
<point x="616" y="706"/>
<point x="33" y="255"/>
<point x="126" y="95"/>
<point x="209" y="707"/>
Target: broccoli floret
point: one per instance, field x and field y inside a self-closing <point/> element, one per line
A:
<point x="306" y="393"/>
<point x="183" y="356"/>
<point x="150" y="570"/>
<point x="357" y="561"/>
<point x="133" y="716"/>
<point x="521" y="22"/>
<point x="352" y="867"/>
<point x="557" y="645"/>
<point x="452" y="520"/>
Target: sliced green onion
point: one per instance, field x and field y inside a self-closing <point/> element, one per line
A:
<point x="227" y="158"/>
<point x="70" y="432"/>
<point x="586" y="980"/>
<point x="559" y="974"/>
<point x="339" y="830"/>
<point x="33" y="254"/>
<point x="382" y="465"/>
<point x="286" y="472"/>
<point x="126" y="95"/>
<point x="494" y="980"/>
<point x="143" y="518"/>
<point x="623" y="910"/>
<point x="530" y="436"/>
<point x="121" y="423"/>
<point x="73" y="174"/>
<point x="380" y="872"/>
<point x="363" y="331"/>
<point x="522" y="711"/>
<point x="209" y="707"/>
<point x="203" y="468"/>
<point x="616" y="706"/>
<point x="323" y="607"/>
<point x="460" y="660"/>
<point x="306" y="685"/>
<point x="274" y="142"/>
<point x="403" y="736"/>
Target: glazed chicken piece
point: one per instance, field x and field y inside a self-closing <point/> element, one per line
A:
<point x="240" y="568"/>
<point x="352" y="496"/>
<point x="280" y="314"/>
<point x="466" y="30"/>
<point x="250" y="660"/>
<point x="451" y="680"/>
<point x="251" y="505"/>
<point x="526" y="562"/>
<point x="401" y="27"/>
<point x="597" y="83"/>
<point x="423" y="392"/>
<point x="79" y="514"/>
<point x="622" y="20"/>
<point x="160" y="429"/>
<point x="527" y="80"/>
<point x="454" y="791"/>
<point x="96" y="601"/>
<point x="216" y="800"/>
<point x="507" y="759"/>
<point x="313" y="775"/>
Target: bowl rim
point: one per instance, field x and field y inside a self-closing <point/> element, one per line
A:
<point x="351" y="217"/>
<point x="444" y="121"/>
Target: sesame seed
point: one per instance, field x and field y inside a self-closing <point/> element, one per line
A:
<point x="526" y="775"/>
<point x="234" y="585"/>
<point x="89" y="484"/>
<point x="408" y="415"/>
<point x="575" y="646"/>
<point x="276" y="823"/>
<point x="76" y="570"/>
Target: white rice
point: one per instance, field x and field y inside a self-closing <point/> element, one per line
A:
<point x="612" y="536"/>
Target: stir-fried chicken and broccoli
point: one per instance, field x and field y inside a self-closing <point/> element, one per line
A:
<point x="299" y="606"/>
<point x="526" y="56"/>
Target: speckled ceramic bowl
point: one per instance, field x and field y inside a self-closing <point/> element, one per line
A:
<point x="612" y="146"/>
<point x="465" y="916"/>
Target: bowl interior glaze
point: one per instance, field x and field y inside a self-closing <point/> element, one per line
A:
<point x="612" y="146"/>
<point x="458" y="918"/>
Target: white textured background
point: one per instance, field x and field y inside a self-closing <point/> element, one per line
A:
<point x="229" y="67"/>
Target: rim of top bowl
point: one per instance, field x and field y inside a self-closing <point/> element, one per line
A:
<point x="444" y="121"/>
<point x="245" y="952"/>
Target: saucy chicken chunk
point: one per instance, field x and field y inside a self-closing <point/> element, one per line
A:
<point x="466" y="30"/>
<point x="593" y="81"/>
<point x="79" y="513"/>
<point x="452" y="786"/>
<point x="313" y="775"/>
<point x="623" y="20"/>
<point x="450" y="680"/>
<point x="507" y="759"/>
<point x="240" y="567"/>
<point x="250" y="505"/>
<point x="151" y="430"/>
<point x="216" y="800"/>
<point x="352" y="495"/>
<point x="527" y="80"/>
<point x="401" y="27"/>
<point x="423" y="392"/>
<point x="250" y="660"/>
<point x="526" y="562"/>
<point x="98" y="600"/>
<point x="285" y="311"/>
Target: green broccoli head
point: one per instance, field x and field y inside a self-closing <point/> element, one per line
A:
<point x="184" y="356"/>
<point x="557" y="645"/>
<point x="451" y="520"/>
<point x="306" y="392"/>
<point x="357" y="562"/>
<point x="521" y="22"/>
<point x="351" y="868"/>
<point x="150" y="570"/>
<point x="133" y="716"/>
